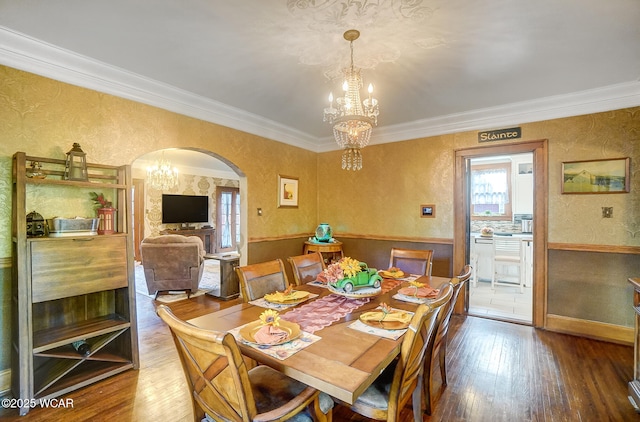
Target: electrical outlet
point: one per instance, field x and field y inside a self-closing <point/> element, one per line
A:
<point x="607" y="212"/>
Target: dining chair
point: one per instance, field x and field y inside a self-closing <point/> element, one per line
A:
<point x="223" y="388"/>
<point x="412" y="261"/>
<point x="257" y="280"/>
<point x="400" y="381"/>
<point x="439" y="345"/>
<point x="507" y="252"/>
<point x="306" y="267"/>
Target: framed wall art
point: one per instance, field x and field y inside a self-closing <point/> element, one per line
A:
<point x="428" y="211"/>
<point x="596" y="176"/>
<point x="287" y="191"/>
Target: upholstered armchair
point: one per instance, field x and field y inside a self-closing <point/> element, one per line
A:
<point x="172" y="262"/>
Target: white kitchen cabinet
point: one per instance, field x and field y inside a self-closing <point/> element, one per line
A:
<point x="522" y="183"/>
<point x="481" y="255"/>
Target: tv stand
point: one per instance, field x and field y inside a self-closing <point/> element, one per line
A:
<point x="208" y="236"/>
<point x="186" y="227"/>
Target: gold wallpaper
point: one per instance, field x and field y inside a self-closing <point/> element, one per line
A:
<point x="384" y="198"/>
<point x="43" y="117"/>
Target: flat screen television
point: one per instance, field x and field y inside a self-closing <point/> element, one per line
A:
<point x="182" y="209"/>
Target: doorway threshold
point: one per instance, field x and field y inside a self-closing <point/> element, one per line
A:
<point x="503" y="303"/>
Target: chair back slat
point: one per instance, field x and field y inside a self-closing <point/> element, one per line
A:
<point x="257" y="280"/>
<point x="438" y="346"/>
<point x="413" y="352"/>
<point x="412" y="261"/>
<point x="457" y="283"/>
<point x="215" y="370"/>
<point x="507" y="247"/>
<point x="306" y="267"/>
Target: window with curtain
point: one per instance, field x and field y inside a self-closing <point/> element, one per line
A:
<point x="491" y="192"/>
<point x="228" y="218"/>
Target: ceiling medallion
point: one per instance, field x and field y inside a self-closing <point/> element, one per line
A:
<point x="351" y="118"/>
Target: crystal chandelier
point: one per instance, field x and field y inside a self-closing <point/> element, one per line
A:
<point x="351" y="118"/>
<point x="161" y="175"/>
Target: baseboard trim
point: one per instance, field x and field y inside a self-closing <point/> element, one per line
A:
<point x="590" y="329"/>
<point x="5" y="381"/>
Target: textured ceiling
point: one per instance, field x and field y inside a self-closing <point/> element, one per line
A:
<point x="267" y="66"/>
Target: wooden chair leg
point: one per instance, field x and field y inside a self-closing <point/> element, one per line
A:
<point x="443" y="360"/>
<point x="417" y="401"/>
<point x="317" y="413"/>
<point x="424" y="384"/>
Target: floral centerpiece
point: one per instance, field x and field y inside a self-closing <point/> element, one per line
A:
<point x="344" y="268"/>
<point x="349" y="274"/>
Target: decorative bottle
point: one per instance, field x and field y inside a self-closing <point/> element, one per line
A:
<point x="82" y="347"/>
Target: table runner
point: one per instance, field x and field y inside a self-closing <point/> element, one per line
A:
<point x="323" y="312"/>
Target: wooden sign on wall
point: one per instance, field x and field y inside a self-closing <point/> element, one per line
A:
<point x="500" y="134"/>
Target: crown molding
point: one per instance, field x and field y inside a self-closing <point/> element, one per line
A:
<point x="612" y="97"/>
<point x="29" y="54"/>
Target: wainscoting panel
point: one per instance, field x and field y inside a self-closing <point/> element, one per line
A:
<point x="592" y="286"/>
<point x="375" y="252"/>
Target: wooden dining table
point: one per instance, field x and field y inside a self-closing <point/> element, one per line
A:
<point x="343" y="362"/>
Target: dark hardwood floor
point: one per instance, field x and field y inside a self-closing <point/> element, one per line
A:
<point x="497" y="372"/>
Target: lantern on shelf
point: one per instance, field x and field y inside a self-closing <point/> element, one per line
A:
<point x="76" y="164"/>
<point x="105" y="220"/>
<point x="105" y="212"/>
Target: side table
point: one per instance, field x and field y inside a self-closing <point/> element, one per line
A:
<point x="329" y="250"/>
<point x="229" y="283"/>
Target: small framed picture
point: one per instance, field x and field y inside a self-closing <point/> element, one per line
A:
<point x="287" y="191"/>
<point x="596" y="176"/>
<point x="428" y="211"/>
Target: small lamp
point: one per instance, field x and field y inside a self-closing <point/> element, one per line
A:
<point x="76" y="165"/>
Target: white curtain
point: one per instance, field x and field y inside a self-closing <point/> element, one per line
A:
<point x="489" y="187"/>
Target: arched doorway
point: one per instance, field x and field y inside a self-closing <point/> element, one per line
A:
<point x="201" y="172"/>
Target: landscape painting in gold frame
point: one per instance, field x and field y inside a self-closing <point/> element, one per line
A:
<point x="596" y="176"/>
<point x="287" y="192"/>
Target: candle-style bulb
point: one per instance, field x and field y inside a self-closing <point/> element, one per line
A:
<point x="331" y="98"/>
